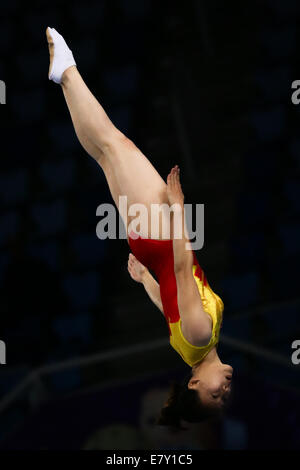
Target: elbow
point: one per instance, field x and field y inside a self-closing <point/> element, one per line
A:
<point x="184" y="265"/>
<point x="180" y="268"/>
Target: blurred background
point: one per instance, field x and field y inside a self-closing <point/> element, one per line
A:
<point x="202" y="84"/>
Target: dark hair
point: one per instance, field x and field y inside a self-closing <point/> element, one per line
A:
<point x="184" y="404"/>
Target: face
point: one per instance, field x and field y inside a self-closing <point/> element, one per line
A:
<point x="214" y="385"/>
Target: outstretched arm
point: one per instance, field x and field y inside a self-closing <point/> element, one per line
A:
<point x="140" y="273"/>
<point x="183" y="256"/>
<point x="196" y="323"/>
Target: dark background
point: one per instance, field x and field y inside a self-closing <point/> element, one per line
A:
<point x="202" y="84"/>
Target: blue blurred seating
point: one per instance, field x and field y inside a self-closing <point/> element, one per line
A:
<point x="121" y="83"/>
<point x="25" y="144"/>
<point x="4" y="262"/>
<point x="50" y="218"/>
<point x="283" y="273"/>
<point x="25" y="332"/>
<point x="9" y="226"/>
<point x="248" y="250"/>
<point x="292" y="192"/>
<point x="270" y="372"/>
<point x="7" y="37"/>
<point x="29" y="106"/>
<point x="83" y="290"/>
<point x="63" y="136"/>
<point x="254" y="207"/>
<point x="269" y="125"/>
<point x="282" y="322"/>
<point x="289" y="234"/>
<point x="11" y="419"/>
<point x="87" y="53"/>
<point x="279" y="43"/>
<point x="2" y="69"/>
<point x="88" y="249"/>
<point x="8" y="8"/>
<point x="58" y="175"/>
<point x="77" y="326"/>
<point x="238" y="362"/>
<point x="295" y="150"/>
<point x="261" y="165"/>
<point x="128" y="43"/>
<point x="66" y="380"/>
<point x="234" y="434"/>
<point x="14" y="187"/>
<point x="12" y="376"/>
<point x="122" y="118"/>
<point x="37" y="20"/>
<point x="285" y="11"/>
<point x="95" y="175"/>
<point x="86" y="202"/>
<point x="48" y="252"/>
<point x="32" y="66"/>
<point x="135" y="9"/>
<point x="274" y="84"/>
<point x="239" y="292"/>
<point x="88" y="16"/>
<point x="238" y="327"/>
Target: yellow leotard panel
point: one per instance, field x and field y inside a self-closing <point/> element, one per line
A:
<point x="214" y="306"/>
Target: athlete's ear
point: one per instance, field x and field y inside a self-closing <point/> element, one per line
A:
<point x="193" y="383"/>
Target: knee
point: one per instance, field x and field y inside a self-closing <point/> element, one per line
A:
<point x="102" y="160"/>
<point x="115" y="142"/>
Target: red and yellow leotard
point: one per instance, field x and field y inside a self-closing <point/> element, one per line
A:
<point x="157" y="256"/>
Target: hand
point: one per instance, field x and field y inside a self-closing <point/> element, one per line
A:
<point x="136" y="269"/>
<point x="174" y="191"/>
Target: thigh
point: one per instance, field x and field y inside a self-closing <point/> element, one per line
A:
<point x="136" y="178"/>
<point x="129" y="220"/>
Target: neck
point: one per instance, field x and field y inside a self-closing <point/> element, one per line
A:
<point x="211" y="357"/>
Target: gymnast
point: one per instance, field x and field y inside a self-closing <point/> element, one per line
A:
<point x="192" y="310"/>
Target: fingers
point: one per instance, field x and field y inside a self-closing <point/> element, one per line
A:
<point x="173" y="179"/>
<point x="130" y="266"/>
<point x="174" y="173"/>
<point x="131" y="260"/>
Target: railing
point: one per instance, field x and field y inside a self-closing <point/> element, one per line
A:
<point x="35" y="376"/>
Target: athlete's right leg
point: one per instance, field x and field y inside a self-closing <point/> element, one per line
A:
<point x="127" y="170"/>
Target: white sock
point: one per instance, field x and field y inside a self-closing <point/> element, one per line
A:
<point x="63" y="57"/>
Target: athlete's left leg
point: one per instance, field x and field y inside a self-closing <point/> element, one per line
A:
<point x="128" y="171"/>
